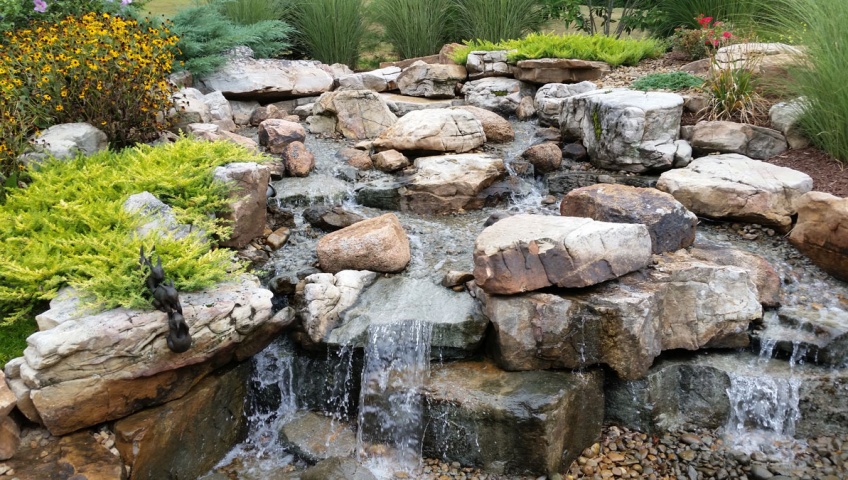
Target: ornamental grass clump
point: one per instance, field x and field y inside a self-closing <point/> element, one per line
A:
<point x="330" y="30"/>
<point x="68" y="227"/>
<point x="414" y="28"/>
<point x="105" y="70"/>
<point x="496" y="20"/>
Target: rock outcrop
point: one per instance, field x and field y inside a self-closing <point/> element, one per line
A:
<point x="436" y="130"/>
<point x="355" y="114"/>
<point x="730" y="137"/>
<point x="431" y="80"/>
<point x="498" y="94"/>
<point x="267" y="80"/>
<point x="378" y="244"/>
<point x="528" y="252"/>
<point x="550" y="98"/>
<point x="559" y="70"/>
<point x="249" y="188"/>
<point x="450" y="183"/>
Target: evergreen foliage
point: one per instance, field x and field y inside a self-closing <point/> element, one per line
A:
<point x="668" y="81"/>
<point x="69" y="228"/>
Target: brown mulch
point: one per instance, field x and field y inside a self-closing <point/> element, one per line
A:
<point x="828" y="174"/>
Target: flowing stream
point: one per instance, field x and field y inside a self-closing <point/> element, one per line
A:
<point x="387" y="410"/>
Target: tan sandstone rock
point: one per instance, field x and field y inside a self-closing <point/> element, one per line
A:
<point x="822" y="232"/>
<point x="248" y="214"/>
<point x="434" y="130"/>
<point x="497" y="128"/>
<point x="298" y="160"/>
<point x="378" y="244"/>
<point x="276" y="134"/>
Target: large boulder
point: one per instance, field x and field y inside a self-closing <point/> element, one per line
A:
<point x="450" y="183"/>
<point x="357" y="114"/>
<point x="500" y="95"/>
<point x="496" y="128"/>
<point x="670" y="225"/>
<point x="189" y="107"/>
<point x="528" y="252"/>
<point x="732" y="137"/>
<point x="785" y="116"/>
<point x="764" y="276"/>
<point x="770" y="60"/>
<point x="299" y="161"/>
<point x="822" y="231"/>
<point x="249" y="183"/>
<point x="627" y="130"/>
<point x="550" y="98"/>
<point x="168" y="441"/>
<point x="437" y="130"/>
<point x="431" y="80"/>
<point x="378" y="244"/>
<point x="516" y="423"/>
<point x="379" y="80"/>
<point x="67" y="140"/>
<point x="267" y="80"/>
<point x="559" y="70"/>
<point x="219" y="107"/>
<point x="545" y="157"/>
<point x="10" y="437"/>
<point x="99" y="367"/>
<point x="733" y="186"/>
<point x="681" y="303"/>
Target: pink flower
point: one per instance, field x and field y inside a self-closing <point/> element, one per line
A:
<point x="40" y="6"/>
<point x="126" y="2"/>
<point x="726" y="34"/>
<point x="704" y="21"/>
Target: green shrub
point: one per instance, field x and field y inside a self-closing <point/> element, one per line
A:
<point x="547" y="45"/>
<point x="68" y="226"/>
<point x="496" y="20"/>
<point x="330" y="30"/>
<point x="667" y="81"/>
<point x="206" y="33"/>
<point x="13" y="338"/>
<point x="414" y="28"/>
<point x="820" y="75"/>
<point x="733" y="94"/>
<point x="83" y="65"/>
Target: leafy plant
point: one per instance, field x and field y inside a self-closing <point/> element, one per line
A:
<point x="496" y="20"/>
<point x="635" y="14"/>
<point x="77" y="70"/>
<point x="68" y="227"/>
<point x="700" y="43"/>
<point x="742" y="15"/>
<point x="414" y="28"/>
<point x="733" y="94"/>
<point x="548" y="45"/>
<point x="330" y="30"/>
<point x="667" y="81"/>
<point x="206" y="33"/>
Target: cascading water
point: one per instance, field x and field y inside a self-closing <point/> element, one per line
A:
<point x="391" y="411"/>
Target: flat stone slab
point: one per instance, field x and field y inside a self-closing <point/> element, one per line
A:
<point x="521" y="423"/>
<point x="559" y="70"/>
<point x="733" y="186"/>
<point x="433" y="130"/>
<point x="268" y="80"/>
<point x="529" y="252"/>
<point x="400" y="105"/>
<point x="315" y="437"/>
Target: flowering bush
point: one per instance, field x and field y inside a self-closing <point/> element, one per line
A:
<point x="16" y="14"/>
<point x="700" y="43"/>
<point x="96" y="68"/>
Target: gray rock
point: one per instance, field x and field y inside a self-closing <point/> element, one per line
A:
<point x="190" y="107"/>
<point x="67" y="140"/>
<point x="562" y="182"/>
<point x="219" y="106"/>
<point x="315" y="437"/>
<point x="7" y="397"/>
<point x="330" y="219"/>
<point x="806" y="333"/>
<point x="550" y="98"/>
<point x="326" y="296"/>
<point x="625" y="129"/>
<point x="157" y="217"/>
<point x="484" y="63"/>
<point x="10" y="437"/>
<point x="382" y="193"/>
<point x="529" y="252"/>
<point x="431" y="80"/>
<point x="243" y="110"/>
<point x="731" y="137"/>
<point x="457" y="324"/>
<point x="669" y="223"/>
<point x="784" y="117"/>
<point x="519" y="423"/>
<point x="733" y="186"/>
<point x="267" y="80"/>
<point x="500" y="95"/>
<point x="764" y="276"/>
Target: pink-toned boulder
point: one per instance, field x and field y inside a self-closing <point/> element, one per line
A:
<point x="546" y="157"/>
<point x="390" y="161"/>
<point x="10" y="438"/>
<point x="298" y="160"/>
<point x="822" y="232"/>
<point x="378" y="244"/>
<point x="276" y="134"/>
<point x="250" y="182"/>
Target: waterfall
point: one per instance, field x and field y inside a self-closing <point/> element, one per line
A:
<point x="391" y="413"/>
<point x="763" y="411"/>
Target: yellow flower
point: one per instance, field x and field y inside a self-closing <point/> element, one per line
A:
<point x="59" y="108"/>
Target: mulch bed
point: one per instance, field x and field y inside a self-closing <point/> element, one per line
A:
<point x="828" y="174"/>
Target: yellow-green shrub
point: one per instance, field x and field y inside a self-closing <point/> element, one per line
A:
<point x="69" y="228"/>
<point x="97" y="68"/>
